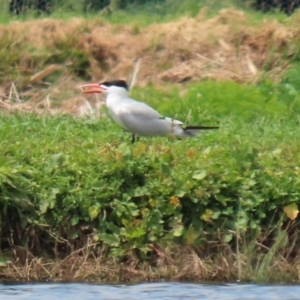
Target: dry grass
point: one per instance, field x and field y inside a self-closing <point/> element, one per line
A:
<point x="177" y="263"/>
<point x="226" y="47"/>
<point x="40" y="100"/>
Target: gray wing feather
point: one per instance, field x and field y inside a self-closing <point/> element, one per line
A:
<point x="141" y="119"/>
<point x="139" y="109"/>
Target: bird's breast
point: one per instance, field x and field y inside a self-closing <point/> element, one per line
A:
<point x="115" y="114"/>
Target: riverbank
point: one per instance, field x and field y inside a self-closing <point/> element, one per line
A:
<point x="78" y="202"/>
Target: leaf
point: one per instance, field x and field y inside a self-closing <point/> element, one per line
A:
<point x="144" y="249"/>
<point x="180" y="194"/>
<point x="166" y="170"/>
<point x="118" y="253"/>
<point x="116" y="230"/>
<point x="135" y="233"/>
<point x="227" y="238"/>
<point x="152" y="203"/>
<point x="97" y="186"/>
<point x="44" y="207"/>
<point x="222" y="199"/>
<point x="191" y="235"/>
<point x="277" y="151"/>
<point x="119" y="155"/>
<point x="4" y="261"/>
<point x="177" y="231"/>
<point x="73" y="235"/>
<point x="207" y="216"/>
<point x="74" y="220"/>
<point x="199" y="176"/>
<point x="110" y="239"/>
<point x="207" y="150"/>
<point x="140" y="149"/>
<point x="21" y="200"/>
<point x="94" y="211"/>
<point x="251" y="182"/>
<point x="291" y="211"/>
<point x="253" y="224"/>
<point x="242" y="224"/>
<point x="54" y="192"/>
<point x="56" y="158"/>
<point x="125" y="149"/>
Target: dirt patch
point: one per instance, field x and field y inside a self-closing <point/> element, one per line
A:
<point x="225" y="47"/>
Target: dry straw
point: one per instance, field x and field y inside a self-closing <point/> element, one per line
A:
<point x="225" y="47"/>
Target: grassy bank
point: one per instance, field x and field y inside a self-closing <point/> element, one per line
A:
<point x="57" y="54"/>
<point x="211" y="208"/>
<point x="79" y="202"/>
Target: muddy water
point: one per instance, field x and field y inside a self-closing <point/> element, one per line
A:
<point x="148" y="291"/>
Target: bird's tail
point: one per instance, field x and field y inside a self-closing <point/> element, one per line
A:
<point x="195" y="130"/>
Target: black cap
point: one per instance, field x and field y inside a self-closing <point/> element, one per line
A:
<point x="119" y="83"/>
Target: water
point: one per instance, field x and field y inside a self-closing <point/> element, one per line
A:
<point x="148" y="291"/>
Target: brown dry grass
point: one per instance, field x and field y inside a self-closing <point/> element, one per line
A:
<point x="179" y="263"/>
<point x="226" y="47"/>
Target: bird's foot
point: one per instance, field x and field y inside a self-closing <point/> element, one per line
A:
<point x="134" y="139"/>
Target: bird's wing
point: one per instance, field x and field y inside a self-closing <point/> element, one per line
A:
<point x="139" y="118"/>
<point x="138" y="110"/>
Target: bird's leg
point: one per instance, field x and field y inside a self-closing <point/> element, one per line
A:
<point x="133" y="138"/>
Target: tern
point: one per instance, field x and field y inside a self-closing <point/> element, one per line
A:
<point x="137" y="117"/>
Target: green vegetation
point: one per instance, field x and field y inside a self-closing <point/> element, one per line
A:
<point x="143" y="12"/>
<point x="76" y="195"/>
<point x="64" y="179"/>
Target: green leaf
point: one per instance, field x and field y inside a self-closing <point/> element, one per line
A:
<point x="227" y="238"/>
<point x="44" y="207"/>
<point x="73" y="235"/>
<point x="222" y="199"/>
<point x="4" y="261"/>
<point x="144" y="249"/>
<point x="74" y="220"/>
<point x="56" y="158"/>
<point x="94" y="211"/>
<point x="21" y="201"/>
<point x="132" y="234"/>
<point x="180" y="194"/>
<point x="177" y="231"/>
<point x="253" y="224"/>
<point x="207" y="215"/>
<point x="191" y="235"/>
<point x="199" y="176"/>
<point x="110" y="239"/>
<point x="166" y="170"/>
<point x="125" y="149"/>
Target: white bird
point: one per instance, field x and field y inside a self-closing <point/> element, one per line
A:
<point x="137" y="117"/>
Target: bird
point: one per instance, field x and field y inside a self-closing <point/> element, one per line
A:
<point x="137" y="117"/>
